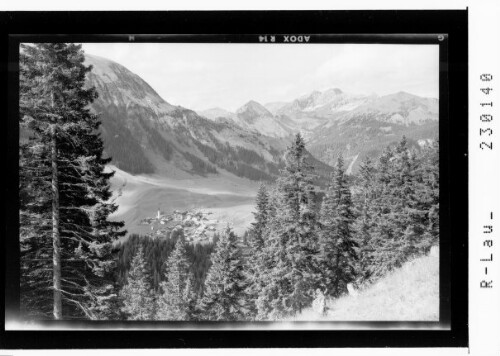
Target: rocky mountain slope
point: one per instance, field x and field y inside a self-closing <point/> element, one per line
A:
<point x="171" y="157"/>
<point x="145" y="134"/>
<point x="253" y="117"/>
<point x="334" y="122"/>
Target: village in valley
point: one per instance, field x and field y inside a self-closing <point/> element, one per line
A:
<point x="197" y="225"/>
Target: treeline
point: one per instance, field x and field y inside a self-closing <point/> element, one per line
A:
<point x="304" y="242"/>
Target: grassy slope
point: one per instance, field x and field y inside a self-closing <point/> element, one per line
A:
<point x="410" y="293"/>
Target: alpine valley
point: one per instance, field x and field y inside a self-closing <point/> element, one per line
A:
<point x="169" y="157"/>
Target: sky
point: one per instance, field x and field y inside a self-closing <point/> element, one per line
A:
<point x="200" y="76"/>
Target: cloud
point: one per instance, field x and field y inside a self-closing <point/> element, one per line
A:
<point x="382" y="69"/>
<point x="200" y="76"/>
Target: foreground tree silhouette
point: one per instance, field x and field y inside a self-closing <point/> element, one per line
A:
<point x="66" y="239"/>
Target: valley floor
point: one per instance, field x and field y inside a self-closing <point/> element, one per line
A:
<point x="230" y="199"/>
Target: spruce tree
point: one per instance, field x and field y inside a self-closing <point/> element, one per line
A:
<point x="268" y="289"/>
<point x="409" y="211"/>
<point x="401" y="186"/>
<point x="402" y="208"/>
<point x="428" y="194"/>
<point x="337" y="238"/>
<point x="293" y="246"/>
<point x="224" y="293"/>
<point x="255" y="265"/>
<point x="383" y="227"/>
<point x="261" y="217"/>
<point x="64" y="189"/>
<point x="35" y="232"/>
<point x="137" y="295"/>
<point x="177" y="299"/>
<point x="364" y="219"/>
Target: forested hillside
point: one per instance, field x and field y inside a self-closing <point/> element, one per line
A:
<point x="145" y="134"/>
<point x="334" y="122"/>
<point x="307" y="240"/>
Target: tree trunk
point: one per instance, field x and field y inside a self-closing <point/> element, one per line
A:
<point x="56" y="238"/>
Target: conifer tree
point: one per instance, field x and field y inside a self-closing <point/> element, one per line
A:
<point x="255" y="258"/>
<point x="402" y="207"/>
<point x="383" y="229"/>
<point x="337" y="238"/>
<point x="365" y="221"/>
<point x="409" y="212"/>
<point x="428" y="194"/>
<point x="261" y="217"/>
<point x="293" y="245"/>
<point x="137" y="295"/>
<point x="268" y="299"/>
<point x="177" y="299"/>
<point x="66" y="239"/>
<point x="35" y="232"/>
<point x="224" y="293"/>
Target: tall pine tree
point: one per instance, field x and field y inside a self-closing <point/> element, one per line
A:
<point x="292" y="246"/>
<point x="261" y="217"/>
<point x="337" y="237"/>
<point x="255" y="260"/>
<point x="137" y="295"/>
<point x="224" y="296"/>
<point x="383" y="235"/>
<point x="177" y="299"/>
<point x="66" y="238"/>
<point x="365" y="220"/>
<point x="428" y="194"/>
<point x="404" y="207"/>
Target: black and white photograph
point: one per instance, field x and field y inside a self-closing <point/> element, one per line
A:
<point x="229" y="182"/>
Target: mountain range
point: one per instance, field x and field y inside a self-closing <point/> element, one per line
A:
<point x="145" y="134"/>
<point x="334" y="122"/>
